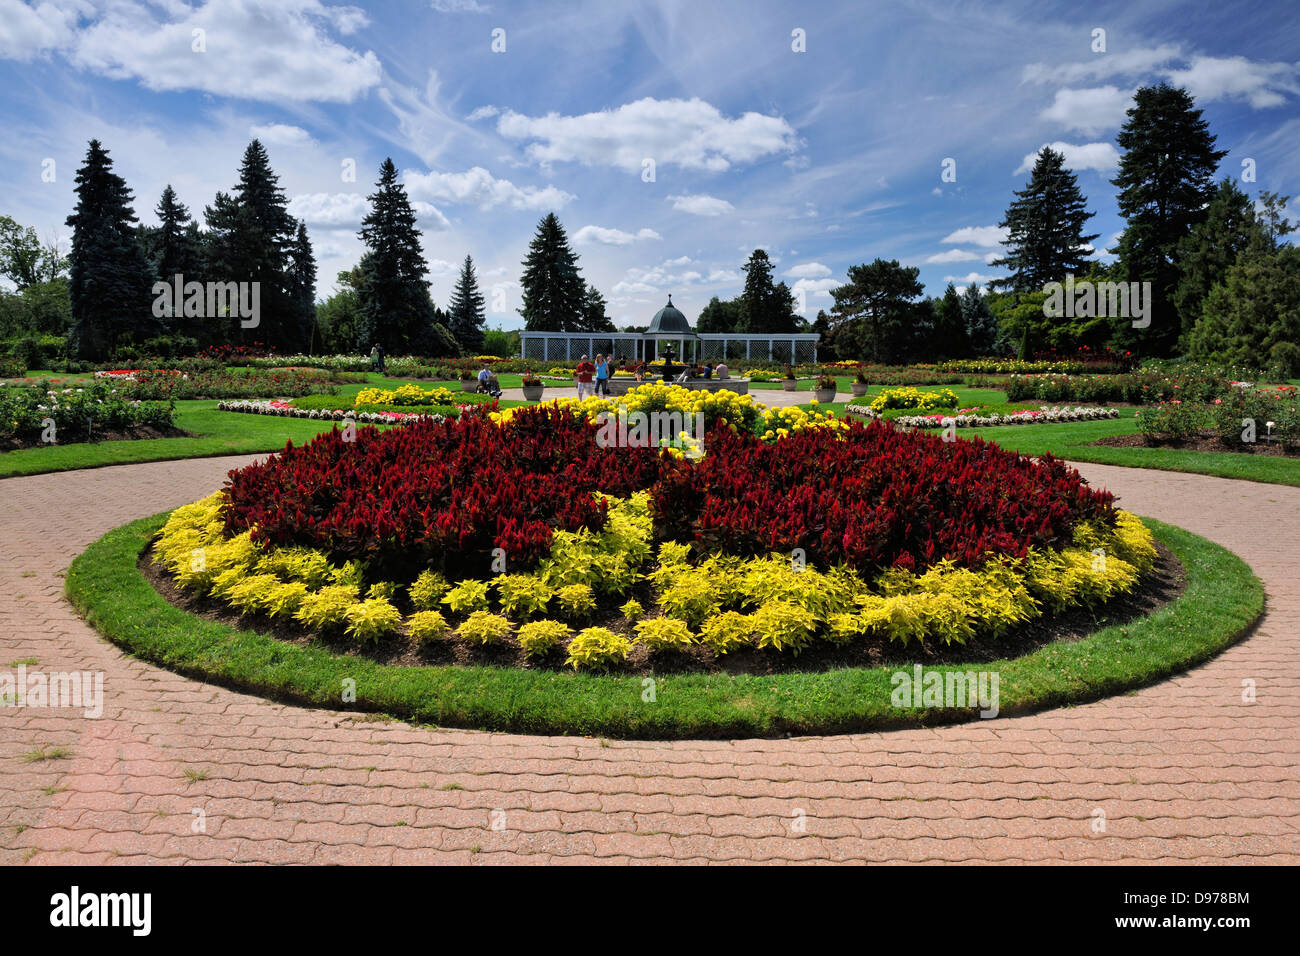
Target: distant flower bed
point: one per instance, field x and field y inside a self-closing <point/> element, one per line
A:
<point x="1084" y="360"/>
<point x="27" y="412"/>
<point x="1192" y="383"/>
<point x="287" y="410"/>
<point x="129" y="374"/>
<point x="158" y="384"/>
<point x="411" y="395"/>
<point x="1244" y="416"/>
<point x="907" y="397"/>
<point x="1030" y="416"/>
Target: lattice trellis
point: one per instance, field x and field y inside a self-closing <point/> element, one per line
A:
<point x="781" y="351"/>
<point x="534" y="348"/>
<point x="805" y="351"/>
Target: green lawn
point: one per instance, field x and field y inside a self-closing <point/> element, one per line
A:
<point x="1222" y="599"/>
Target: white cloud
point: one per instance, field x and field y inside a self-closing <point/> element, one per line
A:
<point x="459" y="6"/>
<point x="971" y="278"/>
<point x="1089" y="111"/>
<point x="612" y="237"/>
<point x="977" y="235"/>
<point x="1103" y="157"/>
<point x="478" y="187"/>
<point x="329" y="209"/>
<point x="430" y="216"/>
<point x="954" y="255"/>
<point x="808" y="270"/>
<point x="810" y="289"/>
<point x="279" y="134"/>
<point x="724" y="275"/>
<point x="483" y="112"/>
<point x="689" y="133"/>
<point x="1262" y="85"/>
<point x="701" y="205"/>
<point x="27" y="32"/>
<point x="294" y="58"/>
<point x="1119" y="63"/>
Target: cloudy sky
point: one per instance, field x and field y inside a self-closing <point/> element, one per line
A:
<point x="671" y="138"/>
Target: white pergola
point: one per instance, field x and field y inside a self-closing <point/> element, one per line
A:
<point x="794" y="347"/>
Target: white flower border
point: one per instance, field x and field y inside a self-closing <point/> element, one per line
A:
<point x="324" y="414"/>
<point x="1047" y="415"/>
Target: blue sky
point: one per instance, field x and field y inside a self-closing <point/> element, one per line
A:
<point x="826" y="158"/>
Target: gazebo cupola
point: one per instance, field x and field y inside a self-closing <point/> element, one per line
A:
<point x="670" y="328"/>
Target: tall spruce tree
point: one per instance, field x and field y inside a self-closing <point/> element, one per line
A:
<point x="1044" y="224"/>
<point x="109" y="281"/>
<point x="594" y="317"/>
<point x="553" y="289"/>
<point x="1166" y="183"/>
<point x="302" y="282"/>
<point x="465" y="312"/>
<point x="396" y="309"/>
<point x="981" y="326"/>
<point x="174" y="252"/>
<point x="266" y="234"/>
<point x="948" y="338"/>
<point x="765" y="308"/>
<point x="1211" y="248"/>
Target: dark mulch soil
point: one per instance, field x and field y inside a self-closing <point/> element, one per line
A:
<point x="1165" y="583"/>
<point x="78" y="436"/>
<point x="1204" y="442"/>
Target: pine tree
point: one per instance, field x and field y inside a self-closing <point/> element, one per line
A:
<point x="981" y="326"/>
<point x="553" y="289"/>
<point x="266" y="233"/>
<point x="1044" y="223"/>
<point x="396" y="310"/>
<point x="174" y="252"/>
<point x="465" y="312"/>
<point x="594" y="318"/>
<point x="719" y="316"/>
<point x="1211" y="248"/>
<point x="1166" y="183"/>
<point x="949" y="334"/>
<point x="875" y="316"/>
<point x="109" y="282"/>
<point x="302" y="282"/>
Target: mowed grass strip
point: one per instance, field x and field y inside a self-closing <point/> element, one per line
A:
<point x="1222" y="600"/>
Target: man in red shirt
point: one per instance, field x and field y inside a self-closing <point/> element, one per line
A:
<point x="583" y="373"/>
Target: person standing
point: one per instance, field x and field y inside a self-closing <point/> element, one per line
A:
<point x="380" y="349"/>
<point x="374" y="357"/>
<point x="602" y="376"/>
<point x="583" y="373"/>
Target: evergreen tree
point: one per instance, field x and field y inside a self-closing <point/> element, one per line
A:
<point x="109" y="281"/>
<point x="594" y="318"/>
<point x="396" y="310"/>
<point x="981" y="327"/>
<point x="765" y="308"/>
<point x="266" y="233"/>
<point x="949" y="334"/>
<point x="553" y="289"/>
<point x="1166" y="183"/>
<point x="1211" y="248"/>
<point x="875" y="314"/>
<point x="720" y="316"/>
<point x="338" y="317"/>
<point x="1044" y="223"/>
<point x="302" y="282"/>
<point x="174" y="252"/>
<point x="1252" y="318"/>
<point x="465" y="312"/>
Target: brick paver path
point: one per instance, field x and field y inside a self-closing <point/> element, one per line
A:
<point x="1182" y="771"/>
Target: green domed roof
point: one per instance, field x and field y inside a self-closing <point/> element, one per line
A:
<point x="669" y="321"/>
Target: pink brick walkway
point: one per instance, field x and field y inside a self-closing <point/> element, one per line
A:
<point x="178" y="771"/>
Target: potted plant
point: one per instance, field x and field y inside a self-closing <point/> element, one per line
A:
<point x="860" y="383"/>
<point x="468" y="381"/>
<point x="789" y="382"/>
<point x="826" y="388"/>
<point x="533" y="387"/>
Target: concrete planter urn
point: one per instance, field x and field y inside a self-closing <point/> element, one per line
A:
<point x="533" y="393"/>
<point x="824" y="395"/>
<point x="859" y="388"/>
<point x="469" y="384"/>
<point x="789" y="384"/>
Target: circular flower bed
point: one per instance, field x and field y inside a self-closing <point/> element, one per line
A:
<point x="529" y="528"/>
